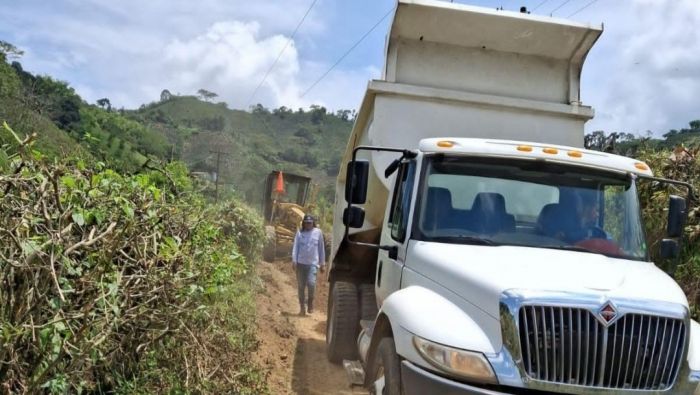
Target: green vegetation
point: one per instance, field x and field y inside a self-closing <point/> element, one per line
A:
<point x="117" y="275"/>
<point x="122" y="284"/>
<point x="303" y="142"/>
<point x="679" y="164"/>
<point x="186" y="128"/>
<point x="673" y="157"/>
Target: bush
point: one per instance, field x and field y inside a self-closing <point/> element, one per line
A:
<point x="112" y="283"/>
<point x="679" y="164"/>
<point x="244" y="226"/>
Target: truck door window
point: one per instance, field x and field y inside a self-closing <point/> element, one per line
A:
<point x="401" y="202"/>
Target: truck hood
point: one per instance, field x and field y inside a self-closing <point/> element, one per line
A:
<point x="480" y="274"/>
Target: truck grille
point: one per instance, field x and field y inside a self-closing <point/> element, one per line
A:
<point x="570" y="346"/>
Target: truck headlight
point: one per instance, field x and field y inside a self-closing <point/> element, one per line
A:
<point x="467" y="364"/>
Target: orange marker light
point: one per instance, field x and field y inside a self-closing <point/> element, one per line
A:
<point x="575" y="154"/>
<point x="552" y="151"/>
<point x="445" y="144"/>
<point x="641" y="166"/>
<point x="524" y="148"/>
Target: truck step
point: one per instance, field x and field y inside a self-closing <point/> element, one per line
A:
<point x="355" y="372"/>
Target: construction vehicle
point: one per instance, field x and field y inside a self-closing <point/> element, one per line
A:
<point x="477" y="248"/>
<point x="283" y="206"/>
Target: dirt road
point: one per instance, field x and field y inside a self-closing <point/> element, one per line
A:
<point x="293" y="347"/>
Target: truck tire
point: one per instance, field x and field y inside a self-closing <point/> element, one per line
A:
<point x="368" y="302"/>
<point x="385" y="365"/>
<point x="342" y="325"/>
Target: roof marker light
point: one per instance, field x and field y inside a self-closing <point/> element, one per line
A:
<point x="641" y="166"/>
<point x="445" y="144"/>
<point x="551" y="151"/>
<point x="575" y="154"/>
<point x="524" y="148"/>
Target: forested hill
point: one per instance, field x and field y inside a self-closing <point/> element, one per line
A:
<point x="254" y="143"/>
<point x="187" y="128"/>
<point x="193" y="128"/>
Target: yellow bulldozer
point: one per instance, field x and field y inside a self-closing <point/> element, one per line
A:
<point x="284" y="206"/>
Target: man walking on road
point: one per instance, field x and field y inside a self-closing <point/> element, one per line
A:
<point x="308" y="256"/>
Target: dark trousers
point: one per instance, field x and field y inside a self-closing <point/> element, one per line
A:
<point x="306" y="278"/>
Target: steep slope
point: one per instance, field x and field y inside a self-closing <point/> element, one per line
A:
<point x="254" y="143"/>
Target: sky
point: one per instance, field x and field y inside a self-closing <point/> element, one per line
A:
<point x="643" y="75"/>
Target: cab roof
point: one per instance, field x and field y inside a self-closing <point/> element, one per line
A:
<point x="529" y="150"/>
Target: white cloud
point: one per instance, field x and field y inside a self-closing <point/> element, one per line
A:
<point x="644" y="73"/>
<point x="130" y="51"/>
<point x="230" y="59"/>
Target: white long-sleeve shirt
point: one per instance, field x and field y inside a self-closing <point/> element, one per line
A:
<point x="309" y="248"/>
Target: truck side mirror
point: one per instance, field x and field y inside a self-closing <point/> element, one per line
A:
<point x="676" y="216"/>
<point x="354" y="217"/>
<point x="356" y="182"/>
<point x="669" y="249"/>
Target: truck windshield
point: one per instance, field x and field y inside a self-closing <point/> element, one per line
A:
<point x="529" y="203"/>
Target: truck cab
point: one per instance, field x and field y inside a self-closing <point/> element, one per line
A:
<point x="477" y="248"/>
<point x="505" y="266"/>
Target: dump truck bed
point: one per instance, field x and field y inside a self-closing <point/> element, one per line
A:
<point x="460" y="71"/>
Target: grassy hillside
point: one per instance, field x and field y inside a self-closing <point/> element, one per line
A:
<point x="66" y="125"/>
<point x="304" y="142"/>
<point x="307" y="142"/>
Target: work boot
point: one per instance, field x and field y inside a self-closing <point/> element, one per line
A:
<point x="302" y="311"/>
<point x="311" y="307"/>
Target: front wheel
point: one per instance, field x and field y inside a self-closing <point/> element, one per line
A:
<point x="385" y="370"/>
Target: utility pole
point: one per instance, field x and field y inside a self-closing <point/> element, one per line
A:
<point x="216" y="181"/>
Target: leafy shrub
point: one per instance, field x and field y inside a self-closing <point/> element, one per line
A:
<point x="244" y="226"/>
<point x="112" y="283"/>
<point x="679" y="164"/>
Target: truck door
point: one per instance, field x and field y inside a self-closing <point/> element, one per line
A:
<point x="395" y="233"/>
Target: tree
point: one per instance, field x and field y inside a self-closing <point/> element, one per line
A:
<point x="104" y="103"/>
<point x="282" y="112"/>
<point x="9" y="81"/>
<point x="9" y="51"/>
<point x="68" y="114"/>
<point x="305" y="134"/>
<point x="343" y="114"/>
<point x="206" y="95"/>
<point x="318" y="114"/>
<point x="599" y="141"/>
<point x="617" y="143"/>
<point x="165" y="95"/>
<point x="259" y="109"/>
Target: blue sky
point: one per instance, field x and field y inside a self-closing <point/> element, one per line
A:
<point x="643" y="74"/>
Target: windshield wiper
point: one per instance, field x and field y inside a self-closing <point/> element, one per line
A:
<point x="465" y="240"/>
<point x="566" y="247"/>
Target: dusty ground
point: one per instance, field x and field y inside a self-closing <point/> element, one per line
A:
<point x="293" y="348"/>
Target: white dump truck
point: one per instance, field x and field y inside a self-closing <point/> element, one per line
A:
<point x="477" y="247"/>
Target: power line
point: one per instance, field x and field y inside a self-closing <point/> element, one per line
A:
<point x="560" y="5"/>
<point x="582" y="8"/>
<point x="272" y="66"/>
<point x="347" y="52"/>
<point x="539" y="5"/>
